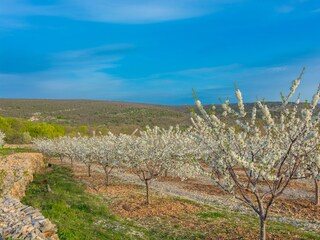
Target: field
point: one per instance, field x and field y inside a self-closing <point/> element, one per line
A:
<point x="116" y="116"/>
<point x="83" y="207"/>
<point x="193" y="209"/>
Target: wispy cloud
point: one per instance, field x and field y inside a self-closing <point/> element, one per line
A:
<point x="285" y="9"/>
<point x="76" y="74"/>
<point x="116" y="11"/>
<point x="289" y="6"/>
<point x="212" y="83"/>
<point x="12" y="23"/>
<point x="92" y="59"/>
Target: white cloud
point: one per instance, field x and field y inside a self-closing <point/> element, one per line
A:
<point x="116" y="11"/>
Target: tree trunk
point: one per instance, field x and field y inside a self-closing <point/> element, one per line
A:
<point x="263" y="235"/>
<point x="107" y="179"/>
<point x="61" y="158"/>
<point x="317" y="192"/>
<point x="89" y="170"/>
<point x="147" y="191"/>
<point x="166" y="173"/>
<point x="71" y="162"/>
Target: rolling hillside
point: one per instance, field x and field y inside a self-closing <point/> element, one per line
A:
<point x="115" y="116"/>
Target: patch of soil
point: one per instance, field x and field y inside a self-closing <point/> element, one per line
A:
<point x="135" y="207"/>
<point x="194" y="185"/>
<point x="27" y="146"/>
<point x="305" y="185"/>
<point x="210" y="189"/>
<point x="169" y="179"/>
<point x="115" y="190"/>
<point x="298" y="208"/>
<point x="96" y="183"/>
<point x="220" y="228"/>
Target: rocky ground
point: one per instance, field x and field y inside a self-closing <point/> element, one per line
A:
<point x="18" y="221"/>
<point x="23" y="222"/>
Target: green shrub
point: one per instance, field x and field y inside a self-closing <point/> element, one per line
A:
<point x="20" y="131"/>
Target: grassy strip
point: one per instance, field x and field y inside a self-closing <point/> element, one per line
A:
<point x="277" y="230"/>
<point x="77" y="214"/>
<point x="8" y="151"/>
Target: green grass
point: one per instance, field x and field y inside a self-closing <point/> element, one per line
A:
<point x="251" y="223"/>
<point x="80" y="215"/>
<point x="211" y="215"/>
<point x="8" y="151"/>
<point x="77" y="214"/>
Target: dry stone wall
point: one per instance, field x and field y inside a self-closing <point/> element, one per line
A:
<point x="18" y="221"/>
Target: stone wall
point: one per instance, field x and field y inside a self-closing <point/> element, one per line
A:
<point x="17" y="220"/>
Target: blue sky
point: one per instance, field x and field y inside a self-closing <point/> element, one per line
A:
<point x="156" y="51"/>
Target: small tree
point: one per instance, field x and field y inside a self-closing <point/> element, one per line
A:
<point x="45" y="146"/>
<point x="245" y="158"/>
<point x="147" y="156"/>
<point x="67" y="147"/>
<point x="58" y="148"/>
<point x="183" y="153"/>
<point x="156" y="150"/>
<point x="83" y="150"/>
<point x="110" y="152"/>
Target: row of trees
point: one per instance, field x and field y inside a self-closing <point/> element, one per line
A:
<point x="254" y="162"/>
<point x="148" y="155"/>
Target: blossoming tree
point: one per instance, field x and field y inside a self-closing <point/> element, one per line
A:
<point x="157" y="150"/>
<point x="256" y="164"/>
<point x="109" y="151"/>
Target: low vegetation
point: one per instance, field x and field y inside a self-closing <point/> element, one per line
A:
<point x="21" y="131"/>
<point x="82" y="215"/>
<point x="8" y="151"/>
<point x="87" y="115"/>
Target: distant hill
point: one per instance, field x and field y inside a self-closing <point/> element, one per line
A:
<point x="116" y="116"/>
